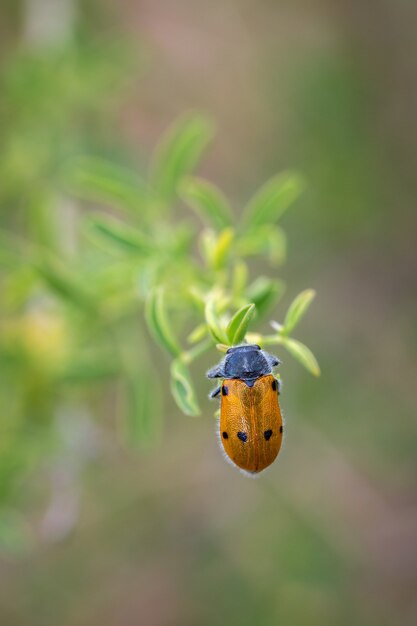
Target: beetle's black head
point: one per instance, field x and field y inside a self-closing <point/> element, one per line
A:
<point x="245" y="348"/>
<point x="246" y="362"/>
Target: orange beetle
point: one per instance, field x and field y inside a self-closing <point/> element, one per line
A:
<point x="251" y="427"/>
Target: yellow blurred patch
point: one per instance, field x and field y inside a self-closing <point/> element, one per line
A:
<point x="42" y="336"/>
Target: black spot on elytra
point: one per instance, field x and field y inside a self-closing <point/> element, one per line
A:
<point x="280" y="429"/>
<point x="268" y="434"/>
<point x="225" y="390"/>
<point x="242" y="436"/>
<point x="225" y="435"/>
<point x="274" y="385"/>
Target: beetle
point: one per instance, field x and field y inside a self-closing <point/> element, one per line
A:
<point x="251" y="428"/>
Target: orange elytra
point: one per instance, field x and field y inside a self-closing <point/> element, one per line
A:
<point x="251" y="428"/>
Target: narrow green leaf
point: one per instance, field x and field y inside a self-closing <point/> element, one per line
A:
<point x="207" y="201"/>
<point x="239" y="279"/>
<point x="239" y="323"/>
<point x="255" y="338"/>
<point x="59" y="277"/>
<point x="197" y="297"/>
<point x="158" y="324"/>
<point x="198" y="333"/>
<point x="197" y="350"/>
<point x="118" y="234"/>
<point x="61" y="280"/>
<point x="207" y="243"/>
<point x="221" y="249"/>
<point x="104" y="182"/>
<point x="215" y="249"/>
<point x="143" y="418"/>
<point x="182" y="388"/>
<point x="181" y="240"/>
<point x="264" y="239"/>
<point x="297" y="309"/>
<point x="303" y="354"/>
<point x="264" y="293"/>
<point x="277" y="246"/>
<point x="270" y="202"/>
<point x="178" y="153"/>
<point x="214" y="324"/>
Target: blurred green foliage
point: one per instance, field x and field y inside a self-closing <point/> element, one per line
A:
<point x="76" y="282"/>
<point x="117" y="279"/>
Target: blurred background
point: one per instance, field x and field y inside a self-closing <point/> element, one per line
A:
<point x="95" y="529"/>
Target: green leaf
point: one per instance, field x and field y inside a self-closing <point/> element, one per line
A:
<point x="270" y="202"/>
<point x="182" y="388"/>
<point x="104" y="182"/>
<point x="118" y="234"/>
<point x="197" y="297"/>
<point x="207" y="242"/>
<point x="215" y="249"/>
<point x="197" y="350"/>
<point x="57" y="275"/>
<point x="178" y="153"/>
<point x="222" y="248"/>
<point x="297" y="309"/>
<point x="239" y="279"/>
<point x="213" y="322"/>
<point x="276" y="246"/>
<point x="207" y="201"/>
<point x="239" y="323"/>
<point x="158" y="323"/>
<point x="303" y="354"/>
<point x="64" y="283"/>
<point x="265" y="239"/>
<point x="143" y="420"/>
<point x="198" y="333"/>
<point x="264" y="292"/>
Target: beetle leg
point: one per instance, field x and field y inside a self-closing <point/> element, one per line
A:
<point x="215" y="392"/>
